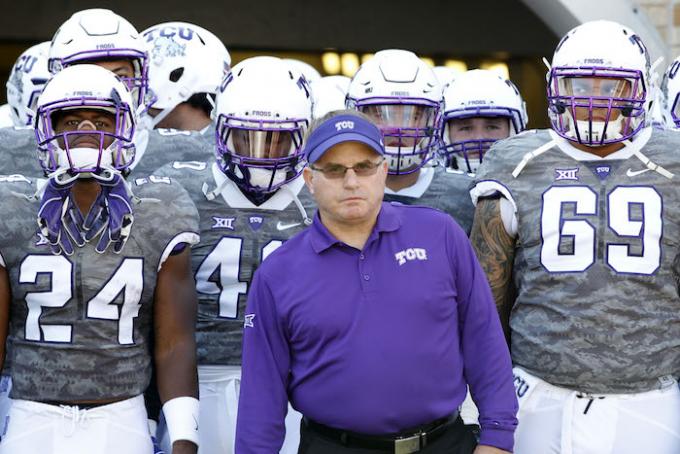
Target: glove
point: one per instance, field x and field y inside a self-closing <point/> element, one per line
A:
<point x="110" y="216"/>
<point x="59" y="218"/>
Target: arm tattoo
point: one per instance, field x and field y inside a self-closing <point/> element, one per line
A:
<point x="495" y="250"/>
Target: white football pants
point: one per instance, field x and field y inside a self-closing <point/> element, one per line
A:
<point x="219" y="388"/>
<point x="5" y="402"/>
<point x="116" y="428"/>
<point x="555" y="420"/>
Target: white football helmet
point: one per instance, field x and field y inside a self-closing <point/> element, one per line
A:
<point x="599" y="84"/>
<point x="669" y="96"/>
<point x="403" y="97"/>
<point x="328" y="94"/>
<point x="263" y="112"/>
<point x="100" y="34"/>
<point x="445" y="75"/>
<point x="304" y="68"/>
<point x="85" y="87"/>
<point x="184" y="59"/>
<point x="26" y="81"/>
<point x="6" y="116"/>
<point x="479" y="93"/>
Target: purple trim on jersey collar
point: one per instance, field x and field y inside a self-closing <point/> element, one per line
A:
<point x="343" y="128"/>
<point x="321" y="239"/>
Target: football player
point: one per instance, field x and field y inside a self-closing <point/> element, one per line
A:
<point x="84" y="286"/>
<point x="401" y="94"/>
<point x="590" y="233"/>
<point x="104" y="38"/>
<point x="480" y="107"/>
<point x="187" y="64"/>
<point x="250" y="199"/>
<point x="26" y="81"/>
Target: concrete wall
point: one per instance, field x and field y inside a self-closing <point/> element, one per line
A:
<point x="665" y="15"/>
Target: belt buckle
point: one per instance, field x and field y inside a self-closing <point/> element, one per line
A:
<point x="407" y="445"/>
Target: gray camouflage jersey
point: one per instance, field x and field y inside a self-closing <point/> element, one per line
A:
<point x="234" y="241"/>
<point x="596" y="264"/>
<point x="19" y="152"/>
<point x="162" y="146"/>
<point x="449" y="191"/>
<point x="80" y="325"/>
<point x="208" y="135"/>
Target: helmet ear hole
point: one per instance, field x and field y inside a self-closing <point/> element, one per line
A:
<point x="176" y="74"/>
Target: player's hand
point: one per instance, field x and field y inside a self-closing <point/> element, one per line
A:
<point x="59" y="219"/>
<point x="184" y="447"/>
<point x="110" y="216"/>
<point x="483" y="449"/>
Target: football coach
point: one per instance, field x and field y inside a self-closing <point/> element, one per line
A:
<point x="372" y="321"/>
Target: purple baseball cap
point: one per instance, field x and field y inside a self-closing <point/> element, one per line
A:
<point x="343" y="128"/>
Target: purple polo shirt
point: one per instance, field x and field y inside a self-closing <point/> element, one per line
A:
<point x="373" y="341"/>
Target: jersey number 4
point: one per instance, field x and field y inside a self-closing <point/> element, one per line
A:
<point x="645" y="228"/>
<point x="218" y="274"/>
<point x="128" y="280"/>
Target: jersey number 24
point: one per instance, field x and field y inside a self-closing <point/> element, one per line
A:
<point x="127" y="280"/>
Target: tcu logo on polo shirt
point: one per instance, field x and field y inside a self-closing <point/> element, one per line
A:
<point x="412" y="253"/>
<point x="346" y="124"/>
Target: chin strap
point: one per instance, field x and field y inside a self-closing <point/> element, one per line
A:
<point x="210" y="195"/>
<point x="651" y="165"/>
<point x="305" y="219"/>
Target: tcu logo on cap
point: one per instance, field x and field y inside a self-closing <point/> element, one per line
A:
<point x="346" y="124"/>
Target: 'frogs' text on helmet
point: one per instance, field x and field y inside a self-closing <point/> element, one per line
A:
<point x="91" y="88"/>
<point x="474" y="94"/>
<point x="184" y="59"/>
<point x="598" y="85"/>
<point x="94" y="35"/>
<point x="402" y="95"/>
<point x="263" y="112"/>
<point x="26" y="81"/>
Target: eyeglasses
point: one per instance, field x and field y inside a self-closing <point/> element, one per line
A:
<point x="361" y="169"/>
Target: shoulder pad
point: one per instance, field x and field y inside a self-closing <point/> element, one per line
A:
<point x="14" y="178"/>
<point x="152" y="179"/>
<point x="192" y="165"/>
<point x="173" y="132"/>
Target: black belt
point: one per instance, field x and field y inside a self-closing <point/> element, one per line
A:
<point x="88" y="406"/>
<point x="405" y="442"/>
